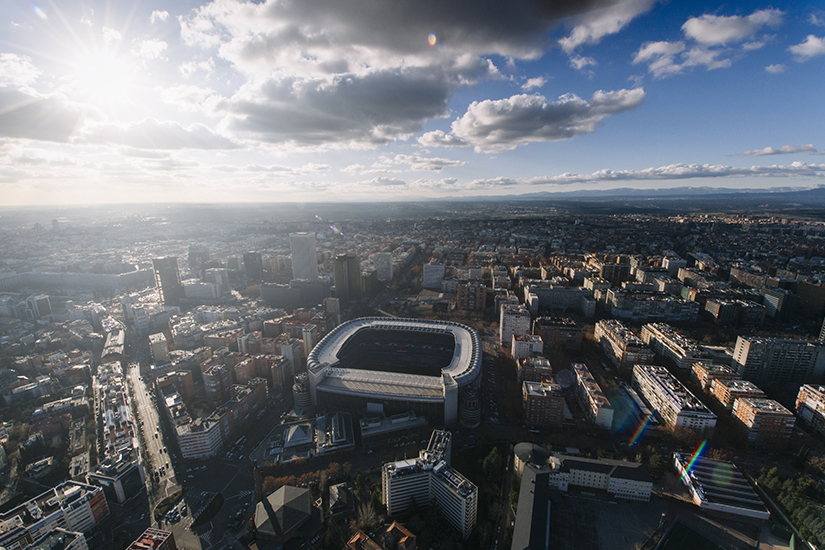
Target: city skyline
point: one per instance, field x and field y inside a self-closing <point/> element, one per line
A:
<point x="279" y="101"/>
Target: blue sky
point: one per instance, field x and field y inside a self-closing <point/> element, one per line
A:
<point x="304" y="100"/>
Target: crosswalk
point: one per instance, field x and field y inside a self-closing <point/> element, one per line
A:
<point x="242" y="494"/>
<point x="206" y="536"/>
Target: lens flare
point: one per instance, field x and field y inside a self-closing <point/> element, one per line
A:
<point x="40" y="13"/>
<point x="693" y="458"/>
<point x="432" y="39"/>
<point x="638" y="435"/>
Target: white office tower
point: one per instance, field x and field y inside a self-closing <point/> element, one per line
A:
<point x="304" y="257"/>
<point x="431" y="476"/>
<point x="383" y="265"/>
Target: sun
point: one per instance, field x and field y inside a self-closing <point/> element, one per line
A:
<point x="103" y="79"/>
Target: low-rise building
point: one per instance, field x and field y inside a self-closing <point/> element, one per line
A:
<point x="727" y="391"/>
<point x="592" y="399"/>
<point x="671" y="345"/>
<point x="154" y="539"/>
<point x="766" y="422"/>
<point x="543" y="404"/>
<point x="810" y="406"/>
<point x="705" y="372"/>
<point x="623" y="347"/>
<point x="718" y="486"/>
<point x="526" y="345"/>
<point x="617" y="478"/>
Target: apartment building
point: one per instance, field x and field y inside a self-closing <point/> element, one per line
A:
<point x="673" y="403"/>
<point x="534" y="369"/>
<point x="591" y="398"/>
<point x="623" y="347"/>
<point x="766" y="422"/>
<point x="768" y="360"/>
<point x="559" y="331"/>
<point x="526" y="345"/>
<point x="430" y="476"/>
<point x="513" y="320"/>
<point x="727" y="391"/>
<point x="810" y="406"/>
<point x="671" y="345"/>
<point x="543" y="404"/>
<point x="705" y="372"/>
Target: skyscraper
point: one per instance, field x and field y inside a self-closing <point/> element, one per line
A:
<point x="304" y="257"/>
<point x="254" y="266"/>
<point x="167" y="280"/>
<point x="346" y="269"/>
<point x="383" y="264"/>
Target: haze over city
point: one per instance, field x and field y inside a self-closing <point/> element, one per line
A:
<point x="108" y="102"/>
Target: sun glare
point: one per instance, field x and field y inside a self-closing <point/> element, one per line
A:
<point x="104" y="79"/>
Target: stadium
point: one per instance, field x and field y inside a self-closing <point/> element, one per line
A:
<point x="430" y="367"/>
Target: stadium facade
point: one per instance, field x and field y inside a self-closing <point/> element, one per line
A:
<point x="400" y="364"/>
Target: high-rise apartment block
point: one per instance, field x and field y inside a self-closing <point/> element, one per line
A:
<point x="810" y="406"/>
<point x="304" y="256"/>
<point x="673" y="403"/>
<point x="672" y="346"/>
<point x="623" y="347"/>
<point x="543" y="403"/>
<point x="430" y="476"/>
<point x="383" y="265"/>
<point x="592" y="399"/>
<point x="767" y="423"/>
<point x="766" y="360"/>
<point x="513" y="321"/>
<point x="167" y="280"/>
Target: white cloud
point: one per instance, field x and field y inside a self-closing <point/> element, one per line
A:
<point x="784" y="150"/>
<point x="158" y="15"/>
<point x="191" y="98"/>
<point x="668" y="173"/>
<point x="190" y="68"/>
<point x="438" y="138"/>
<point x="149" y="49"/>
<point x="721" y="30"/>
<point x="710" y="42"/>
<point x="434" y="164"/>
<point x="593" y="26"/>
<point x="502" y="125"/>
<point x="17" y="70"/>
<point x="531" y="83"/>
<point x="580" y="62"/>
<point x="111" y="35"/>
<point x="816" y="20"/>
<point x="775" y="69"/>
<point x="811" y="47"/>
<point x="151" y="133"/>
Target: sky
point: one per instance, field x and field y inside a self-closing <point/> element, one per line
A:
<point x="380" y="100"/>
